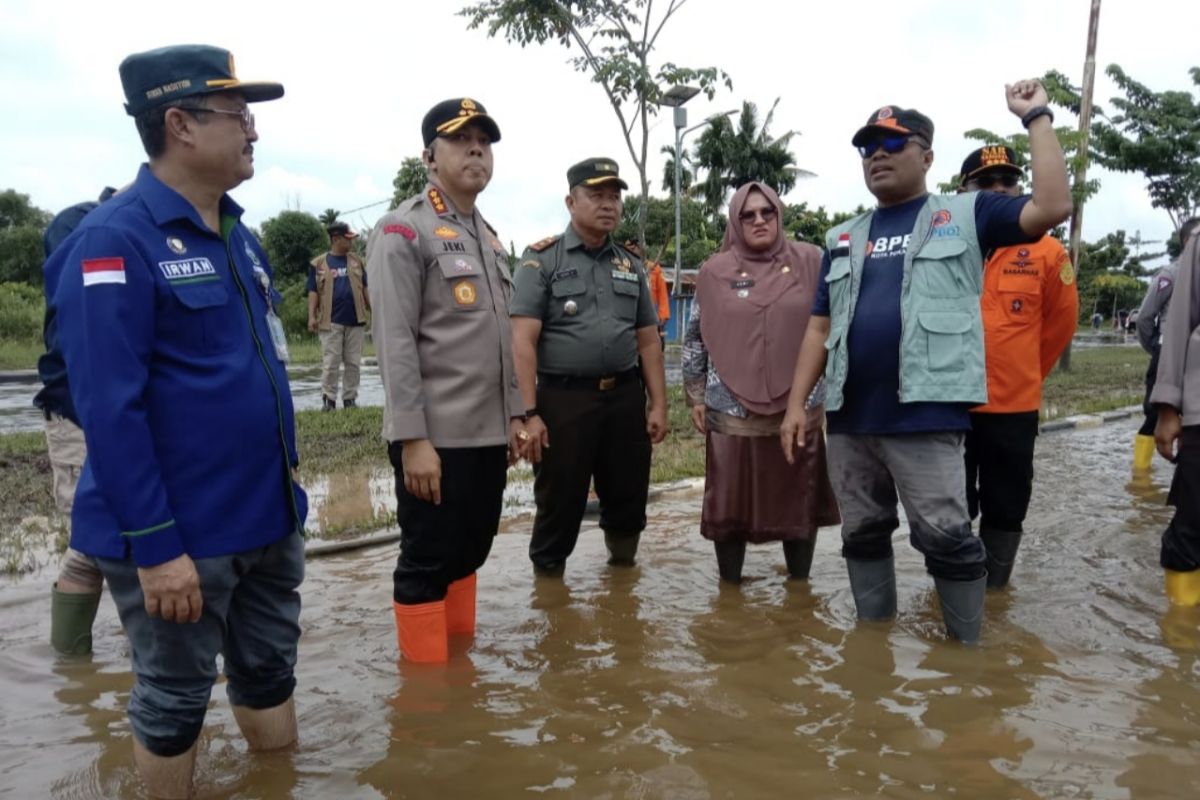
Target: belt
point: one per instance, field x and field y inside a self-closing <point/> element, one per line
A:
<point x="601" y="383"/>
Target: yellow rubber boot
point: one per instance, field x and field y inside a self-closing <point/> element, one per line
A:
<point x="1183" y="588"/>
<point x="460" y="605"/>
<point x="1143" y="452"/>
<point x="421" y="632"/>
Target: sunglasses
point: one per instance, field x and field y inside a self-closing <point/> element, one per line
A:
<point x="767" y="214"/>
<point x="1007" y="180"/>
<point x="889" y="144"/>
<point x="245" y="118"/>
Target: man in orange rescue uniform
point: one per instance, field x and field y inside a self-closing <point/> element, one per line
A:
<point x="1029" y="306"/>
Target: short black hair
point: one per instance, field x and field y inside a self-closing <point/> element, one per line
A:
<point x="151" y="125"/>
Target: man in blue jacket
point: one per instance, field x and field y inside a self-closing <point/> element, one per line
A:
<point x="176" y="363"/>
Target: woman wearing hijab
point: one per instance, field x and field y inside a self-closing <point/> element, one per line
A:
<point x="738" y="356"/>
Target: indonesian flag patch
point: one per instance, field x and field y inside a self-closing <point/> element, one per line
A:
<point x="103" y="270"/>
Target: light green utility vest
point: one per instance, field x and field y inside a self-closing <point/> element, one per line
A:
<point x="941" y="333"/>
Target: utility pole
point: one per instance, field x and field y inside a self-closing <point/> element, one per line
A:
<point x="1085" y="124"/>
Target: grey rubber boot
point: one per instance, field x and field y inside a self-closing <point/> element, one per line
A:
<point x="874" y="587"/>
<point x="962" y="607"/>
<point x="71" y="618"/>
<point x="1001" y="549"/>
<point x="730" y="557"/>
<point x="799" y="555"/>
<point x="622" y="548"/>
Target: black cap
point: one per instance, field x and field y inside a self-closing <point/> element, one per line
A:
<point x="993" y="156"/>
<point x="169" y="73"/>
<point x="893" y="119"/>
<point x="595" y="171"/>
<point x="341" y="229"/>
<point x="450" y="115"/>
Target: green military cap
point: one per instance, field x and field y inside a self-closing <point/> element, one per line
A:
<point x="159" y="76"/>
<point x="593" y="172"/>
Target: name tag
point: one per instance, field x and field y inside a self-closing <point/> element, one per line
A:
<point x="624" y="276"/>
<point x="187" y="269"/>
<point x="563" y="274"/>
<point x="743" y="284"/>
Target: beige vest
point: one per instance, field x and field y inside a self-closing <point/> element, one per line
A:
<point x="354" y="269"/>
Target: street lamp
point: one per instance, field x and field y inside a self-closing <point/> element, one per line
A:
<point x="676" y="97"/>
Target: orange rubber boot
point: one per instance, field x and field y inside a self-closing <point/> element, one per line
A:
<point x="421" y="632"/>
<point x="460" y="606"/>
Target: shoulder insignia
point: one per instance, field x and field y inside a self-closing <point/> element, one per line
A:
<point x="435" y="200"/>
<point x="1067" y="274"/>
<point x="532" y="263"/>
<point x="403" y="230"/>
<point x="543" y="244"/>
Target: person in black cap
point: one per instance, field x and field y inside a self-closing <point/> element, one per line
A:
<point x="338" y="305"/>
<point x="452" y="418"/>
<point x="175" y="359"/>
<point x="1030" y="309"/>
<point x="896" y="330"/>
<point x="583" y="316"/>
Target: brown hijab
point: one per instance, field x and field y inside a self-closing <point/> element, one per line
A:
<point x="754" y="308"/>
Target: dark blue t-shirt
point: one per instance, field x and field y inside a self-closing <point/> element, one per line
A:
<point x="342" y="312"/>
<point x="871" y="403"/>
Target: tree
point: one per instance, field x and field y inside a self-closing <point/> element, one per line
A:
<point x="799" y="222"/>
<point x="21" y="228"/>
<point x="734" y="157"/>
<point x="329" y="216"/>
<point x="291" y="240"/>
<point x="410" y="179"/>
<point x="16" y="210"/>
<point x="615" y="39"/>
<point x="685" y="178"/>
<point x="699" y="237"/>
<point x="1158" y="135"/>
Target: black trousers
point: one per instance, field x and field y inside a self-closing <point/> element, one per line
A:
<point x="999" y="461"/>
<point x="440" y="544"/>
<point x="594" y="435"/>
<point x="1181" y="539"/>
<point x="1150" y="411"/>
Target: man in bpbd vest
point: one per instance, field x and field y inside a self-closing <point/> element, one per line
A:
<point x="896" y="330"/>
<point x="337" y="309"/>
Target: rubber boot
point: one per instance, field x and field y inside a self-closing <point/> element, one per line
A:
<point x="799" y="556"/>
<point x="421" y="632"/>
<point x="1001" y="549"/>
<point x="874" y="586"/>
<point x="730" y="557"/>
<point x="962" y="607"/>
<point x="460" y="606"/>
<point x="622" y="548"/>
<point x="71" y="618"/>
<point x="328" y="403"/>
<point x="1143" y="452"/>
<point x="1183" y="588"/>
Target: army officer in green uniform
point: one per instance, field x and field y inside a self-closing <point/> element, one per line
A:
<point x="585" y="342"/>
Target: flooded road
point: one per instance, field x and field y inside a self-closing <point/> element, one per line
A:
<point x="652" y="682"/>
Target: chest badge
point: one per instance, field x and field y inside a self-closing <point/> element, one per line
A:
<point x="465" y="293"/>
<point x="570" y="308"/>
<point x="176" y="245"/>
<point x="1016" y="306"/>
<point x="442" y="232"/>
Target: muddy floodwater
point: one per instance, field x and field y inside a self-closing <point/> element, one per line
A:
<point x="652" y="682"/>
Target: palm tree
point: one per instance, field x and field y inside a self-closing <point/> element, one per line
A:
<point x="329" y="216"/>
<point x="732" y="156"/>
<point x="685" y="177"/>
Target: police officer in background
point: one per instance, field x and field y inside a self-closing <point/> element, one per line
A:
<point x="583" y="316"/>
<point x="453" y="417"/>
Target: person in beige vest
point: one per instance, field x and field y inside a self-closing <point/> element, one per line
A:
<point x="337" y="310"/>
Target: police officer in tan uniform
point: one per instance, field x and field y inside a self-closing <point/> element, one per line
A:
<point x="585" y="334"/>
<point x="453" y="416"/>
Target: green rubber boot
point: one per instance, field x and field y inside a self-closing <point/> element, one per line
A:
<point x="71" y="618"/>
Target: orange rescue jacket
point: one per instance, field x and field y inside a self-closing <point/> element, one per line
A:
<point x="658" y="290"/>
<point x="1030" y="305"/>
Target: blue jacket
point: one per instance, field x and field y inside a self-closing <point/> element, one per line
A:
<point x="185" y="406"/>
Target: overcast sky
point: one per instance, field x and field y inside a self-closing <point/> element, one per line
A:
<point x="359" y="77"/>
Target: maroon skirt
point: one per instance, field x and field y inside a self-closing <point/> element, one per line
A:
<point x="752" y="494"/>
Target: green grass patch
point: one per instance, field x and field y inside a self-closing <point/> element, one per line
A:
<point x="1101" y="379"/>
<point x="307" y="349"/>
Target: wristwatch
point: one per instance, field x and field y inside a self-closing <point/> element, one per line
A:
<point x="1034" y="113"/>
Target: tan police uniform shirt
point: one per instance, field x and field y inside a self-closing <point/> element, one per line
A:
<point x="439" y="288"/>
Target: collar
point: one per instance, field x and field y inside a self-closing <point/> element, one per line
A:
<point x="167" y="205"/>
<point x="572" y="241"/>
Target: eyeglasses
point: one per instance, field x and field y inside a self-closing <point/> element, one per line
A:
<point x="890" y="144"/>
<point x="246" y="118"/>
<point x="767" y="214"/>
<point x="1007" y="180"/>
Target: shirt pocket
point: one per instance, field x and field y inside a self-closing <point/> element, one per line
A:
<point x="625" y="299"/>
<point x="1020" y="291"/>
<point x="205" y="320"/>
<point x="463" y="279"/>
<point x="568" y="293"/>
<point x="939" y="271"/>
